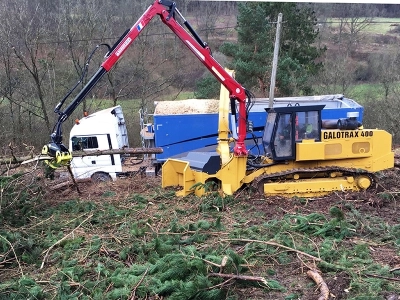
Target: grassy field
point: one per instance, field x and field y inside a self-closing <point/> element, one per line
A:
<point x="363" y="91"/>
<point x="377" y="26"/>
<point x="134" y="104"/>
<point x="382" y="25"/>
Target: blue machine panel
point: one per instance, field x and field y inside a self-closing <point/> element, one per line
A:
<point x="178" y="134"/>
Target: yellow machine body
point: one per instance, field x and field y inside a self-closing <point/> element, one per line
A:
<point x="336" y="163"/>
<point x="178" y="173"/>
<point x="316" y="171"/>
<point x="318" y="161"/>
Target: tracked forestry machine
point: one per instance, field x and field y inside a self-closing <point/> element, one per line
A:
<point x="299" y="153"/>
<point x="301" y="157"/>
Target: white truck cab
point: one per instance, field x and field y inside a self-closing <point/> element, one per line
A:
<point x="103" y="130"/>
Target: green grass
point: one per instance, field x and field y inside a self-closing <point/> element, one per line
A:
<point x="377" y="26"/>
<point x="361" y="92"/>
<point x="185" y="95"/>
<point x="381" y="25"/>
<point x="364" y="91"/>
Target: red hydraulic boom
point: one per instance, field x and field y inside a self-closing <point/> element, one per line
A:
<point x="167" y="11"/>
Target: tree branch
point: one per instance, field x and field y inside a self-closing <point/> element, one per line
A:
<point x="240" y="277"/>
<point x="277" y="245"/>
<point x="323" y="287"/>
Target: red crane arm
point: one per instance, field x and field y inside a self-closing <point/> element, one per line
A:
<point x="199" y="49"/>
<point x="166" y="10"/>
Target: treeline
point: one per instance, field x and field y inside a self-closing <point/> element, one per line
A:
<point x="45" y="50"/>
<point x="46" y="45"/>
<point x="331" y="10"/>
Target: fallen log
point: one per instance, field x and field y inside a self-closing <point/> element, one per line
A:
<point x="14" y="160"/>
<point x="136" y="151"/>
<point x="155" y="150"/>
<point x="67" y="183"/>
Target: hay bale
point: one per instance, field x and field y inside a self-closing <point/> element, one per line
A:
<point x="189" y="106"/>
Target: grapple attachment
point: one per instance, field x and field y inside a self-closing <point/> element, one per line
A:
<point x="60" y="155"/>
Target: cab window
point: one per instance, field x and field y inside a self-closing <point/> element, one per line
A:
<point x="306" y="125"/>
<point x="84" y="142"/>
<point x="283" y="139"/>
<point x="268" y="131"/>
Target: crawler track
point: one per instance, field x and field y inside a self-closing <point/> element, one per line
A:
<point x="296" y="175"/>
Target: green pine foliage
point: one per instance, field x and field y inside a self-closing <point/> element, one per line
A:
<point x="252" y="55"/>
<point x="207" y="87"/>
<point x="19" y="199"/>
<point x="152" y="245"/>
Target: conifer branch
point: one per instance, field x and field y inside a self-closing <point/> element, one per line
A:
<point x="15" y="255"/>
<point x="277" y="245"/>
<point x="394" y="269"/>
<point x="382" y="277"/>
<point x="240" y="277"/>
<point x="133" y="294"/>
<point x="59" y="241"/>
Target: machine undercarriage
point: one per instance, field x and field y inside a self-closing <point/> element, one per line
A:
<point x="313" y="182"/>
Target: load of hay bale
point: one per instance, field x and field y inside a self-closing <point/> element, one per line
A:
<point x="189" y="106"/>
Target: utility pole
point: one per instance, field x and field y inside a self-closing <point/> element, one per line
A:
<point x="275" y="60"/>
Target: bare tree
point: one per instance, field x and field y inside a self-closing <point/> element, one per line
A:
<point x="85" y="24"/>
<point x="45" y="47"/>
<point x="383" y="114"/>
<point x="384" y="68"/>
<point x="28" y="64"/>
<point x="338" y="74"/>
<point x="207" y="17"/>
<point x="352" y="20"/>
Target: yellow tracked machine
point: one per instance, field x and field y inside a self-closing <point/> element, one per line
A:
<point x="303" y="156"/>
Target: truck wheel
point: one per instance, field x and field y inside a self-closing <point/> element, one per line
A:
<point x="100" y="177"/>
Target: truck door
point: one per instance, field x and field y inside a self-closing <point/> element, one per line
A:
<point x="84" y="167"/>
